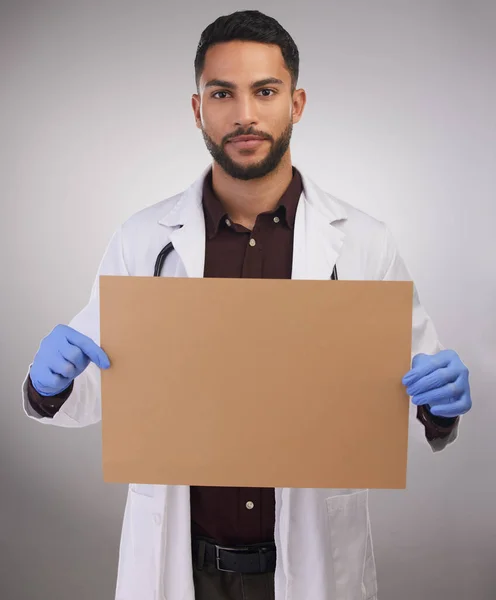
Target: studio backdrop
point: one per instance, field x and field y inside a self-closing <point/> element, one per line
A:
<point x="96" y="123"/>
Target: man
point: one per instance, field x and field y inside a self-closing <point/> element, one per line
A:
<point x="252" y="214"/>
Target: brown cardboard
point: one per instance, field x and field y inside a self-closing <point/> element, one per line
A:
<point x="246" y="382"/>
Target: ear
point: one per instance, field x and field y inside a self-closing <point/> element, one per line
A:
<point x="195" y="105"/>
<point x="299" y="102"/>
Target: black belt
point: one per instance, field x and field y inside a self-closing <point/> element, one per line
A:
<point x="256" y="558"/>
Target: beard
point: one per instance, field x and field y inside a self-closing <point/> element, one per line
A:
<point x="257" y="170"/>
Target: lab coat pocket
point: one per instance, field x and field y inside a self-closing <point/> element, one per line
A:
<point x="140" y="545"/>
<point x="349" y="542"/>
<point x="143" y="489"/>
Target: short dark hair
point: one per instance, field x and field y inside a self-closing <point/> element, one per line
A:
<point x="253" y="26"/>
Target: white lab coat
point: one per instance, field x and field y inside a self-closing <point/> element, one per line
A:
<point x="323" y="538"/>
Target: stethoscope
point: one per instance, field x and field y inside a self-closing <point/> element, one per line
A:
<point x="166" y="250"/>
<point x="162" y="255"/>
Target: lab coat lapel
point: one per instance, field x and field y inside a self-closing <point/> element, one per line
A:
<point x="317" y="242"/>
<point x="187" y="224"/>
<point x="189" y="243"/>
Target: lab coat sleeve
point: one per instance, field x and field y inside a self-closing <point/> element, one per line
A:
<point x="424" y="336"/>
<point x="83" y="407"/>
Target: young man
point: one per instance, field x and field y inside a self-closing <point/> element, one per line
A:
<point x="250" y="214"/>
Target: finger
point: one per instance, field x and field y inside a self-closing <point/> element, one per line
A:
<point x="440" y="395"/>
<point x="88" y="346"/>
<point x="75" y="356"/>
<point x="50" y="383"/>
<point x="434" y="380"/>
<point x="424" y="364"/>
<point x="454" y="409"/>
<point x="60" y="366"/>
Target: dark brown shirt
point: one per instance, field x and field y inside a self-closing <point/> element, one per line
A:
<point x="234" y="516"/>
<point x="243" y="515"/>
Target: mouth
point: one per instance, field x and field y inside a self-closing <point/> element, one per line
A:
<point x="246" y="141"/>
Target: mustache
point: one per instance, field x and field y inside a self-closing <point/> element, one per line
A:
<point x="250" y="131"/>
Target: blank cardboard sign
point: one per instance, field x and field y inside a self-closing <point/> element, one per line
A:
<point x="249" y="382"/>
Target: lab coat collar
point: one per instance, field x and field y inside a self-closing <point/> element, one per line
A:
<point x="317" y="243"/>
<point x="191" y="200"/>
<point x="188" y="204"/>
<point x="187" y="223"/>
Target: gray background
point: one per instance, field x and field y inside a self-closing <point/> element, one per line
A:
<point x="96" y="123"/>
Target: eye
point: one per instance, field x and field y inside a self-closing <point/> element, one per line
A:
<point x="268" y="90"/>
<point x="220" y="92"/>
<point x="265" y="95"/>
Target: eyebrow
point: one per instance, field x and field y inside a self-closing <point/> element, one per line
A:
<point x="232" y="86"/>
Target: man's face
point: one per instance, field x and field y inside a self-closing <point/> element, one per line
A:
<point x="245" y="89"/>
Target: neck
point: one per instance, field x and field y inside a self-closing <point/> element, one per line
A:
<point x="245" y="200"/>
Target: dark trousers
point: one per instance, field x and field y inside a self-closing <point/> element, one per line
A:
<point x="211" y="584"/>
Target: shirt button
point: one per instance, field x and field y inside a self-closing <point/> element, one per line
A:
<point x="249" y="505"/>
<point x="252" y="242"/>
<point x="228" y="222"/>
<point x="276" y="219"/>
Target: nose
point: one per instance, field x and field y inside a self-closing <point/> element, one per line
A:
<point x="245" y="113"/>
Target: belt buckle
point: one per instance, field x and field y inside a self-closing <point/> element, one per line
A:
<point x="217" y="556"/>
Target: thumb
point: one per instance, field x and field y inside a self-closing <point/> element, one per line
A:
<point x="88" y="347"/>
<point x="419" y="360"/>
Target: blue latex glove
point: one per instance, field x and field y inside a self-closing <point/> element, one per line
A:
<point x="62" y="356"/>
<point x="441" y="382"/>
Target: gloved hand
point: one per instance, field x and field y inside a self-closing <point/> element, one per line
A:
<point x="62" y="356"/>
<point x="440" y="381"/>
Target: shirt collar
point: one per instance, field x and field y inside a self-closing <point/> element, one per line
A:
<point x="286" y="207"/>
